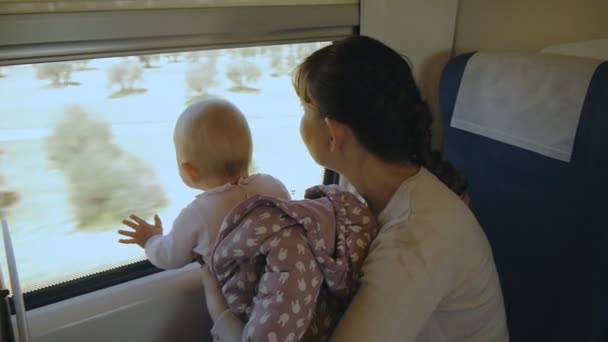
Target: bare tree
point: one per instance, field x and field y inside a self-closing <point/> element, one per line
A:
<point x="302" y="51"/>
<point x="266" y="50"/>
<point x="243" y="75"/>
<point x="58" y="73"/>
<point x="105" y="183"/>
<point x="291" y="61"/>
<point x="277" y="61"/>
<point x="8" y="198"/>
<point x="81" y="65"/>
<point x="213" y="53"/>
<point x="147" y="60"/>
<point x="125" y="74"/>
<point x="72" y="134"/>
<point x="308" y="49"/>
<point x="193" y="56"/>
<point x="234" y="52"/>
<point x="200" y="78"/>
<point x="248" y="52"/>
<point x="173" y="57"/>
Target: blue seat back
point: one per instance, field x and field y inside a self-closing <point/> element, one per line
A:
<point x="547" y="220"/>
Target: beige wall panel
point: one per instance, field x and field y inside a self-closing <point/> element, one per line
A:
<point x="528" y="25"/>
<point x="422" y="30"/>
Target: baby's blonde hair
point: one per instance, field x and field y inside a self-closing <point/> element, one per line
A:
<point x="213" y="135"/>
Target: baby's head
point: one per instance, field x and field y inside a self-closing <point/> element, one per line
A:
<point x="212" y="144"/>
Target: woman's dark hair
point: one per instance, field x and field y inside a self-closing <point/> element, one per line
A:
<point x="447" y="173"/>
<point x="366" y="85"/>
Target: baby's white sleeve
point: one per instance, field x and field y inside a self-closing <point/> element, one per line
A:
<point x="174" y="250"/>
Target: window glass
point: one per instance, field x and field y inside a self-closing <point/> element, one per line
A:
<point x="84" y="143"/>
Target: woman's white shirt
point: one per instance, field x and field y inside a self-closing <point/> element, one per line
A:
<point x="430" y="274"/>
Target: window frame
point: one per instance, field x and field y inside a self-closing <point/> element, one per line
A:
<point x="50" y="37"/>
<point x="86" y="284"/>
<point x="38" y="38"/>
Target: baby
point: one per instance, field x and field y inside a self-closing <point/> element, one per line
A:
<point x="288" y="269"/>
<point x="213" y="148"/>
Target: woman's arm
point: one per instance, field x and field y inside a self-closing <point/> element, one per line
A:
<point x="403" y="282"/>
<point x="228" y="328"/>
<point x="399" y="291"/>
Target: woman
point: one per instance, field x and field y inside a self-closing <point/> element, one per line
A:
<point x="430" y="274"/>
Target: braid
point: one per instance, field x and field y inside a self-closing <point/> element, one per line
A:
<point x="447" y="173"/>
<point x="421" y="123"/>
<point x="433" y="159"/>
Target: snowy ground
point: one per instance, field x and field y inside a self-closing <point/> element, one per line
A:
<point x="47" y="248"/>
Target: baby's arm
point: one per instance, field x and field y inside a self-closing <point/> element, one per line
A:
<point x="163" y="251"/>
<point x="174" y="250"/>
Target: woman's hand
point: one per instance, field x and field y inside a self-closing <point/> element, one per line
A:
<point x="213" y="294"/>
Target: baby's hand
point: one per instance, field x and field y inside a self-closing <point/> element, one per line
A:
<point x="143" y="231"/>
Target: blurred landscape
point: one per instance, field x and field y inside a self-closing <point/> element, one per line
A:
<point x="85" y="143"/>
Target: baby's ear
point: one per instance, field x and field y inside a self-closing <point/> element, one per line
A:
<point x="191" y="171"/>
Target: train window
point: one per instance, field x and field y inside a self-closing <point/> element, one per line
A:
<point x="86" y="142"/>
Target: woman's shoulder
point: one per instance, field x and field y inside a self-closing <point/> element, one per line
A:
<point x="428" y="196"/>
<point x="425" y="213"/>
<point x="423" y="196"/>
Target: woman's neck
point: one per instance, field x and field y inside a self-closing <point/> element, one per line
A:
<point x="377" y="181"/>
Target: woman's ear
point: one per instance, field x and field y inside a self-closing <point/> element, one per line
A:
<point x="191" y="171"/>
<point x="337" y="134"/>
